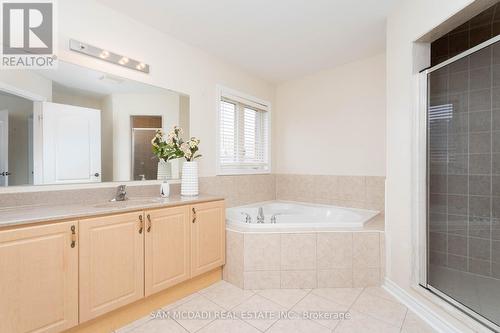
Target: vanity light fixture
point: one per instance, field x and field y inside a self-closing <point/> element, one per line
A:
<point x="108" y="56"/>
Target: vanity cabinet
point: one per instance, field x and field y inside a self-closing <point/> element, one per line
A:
<point x="55" y="276"/>
<point x="167" y="248"/>
<point x="207" y="236"/>
<point x="111" y="263"/>
<point x="39" y="278"/>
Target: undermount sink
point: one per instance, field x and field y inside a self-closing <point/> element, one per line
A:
<point x="129" y="202"/>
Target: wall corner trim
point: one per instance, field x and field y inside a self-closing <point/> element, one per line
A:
<point x="424" y="312"/>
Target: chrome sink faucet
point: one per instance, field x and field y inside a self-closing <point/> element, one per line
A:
<point x="260" y="216"/>
<point x="121" y="193"/>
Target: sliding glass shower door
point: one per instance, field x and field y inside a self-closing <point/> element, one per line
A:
<point x="463" y="177"/>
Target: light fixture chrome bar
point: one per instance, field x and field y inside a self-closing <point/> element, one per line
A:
<point x="108" y="56"/>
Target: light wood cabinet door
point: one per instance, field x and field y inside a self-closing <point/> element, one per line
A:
<point x="208" y="232"/>
<point x="167" y="248"/>
<point x="111" y="263"/>
<point x="39" y="278"/>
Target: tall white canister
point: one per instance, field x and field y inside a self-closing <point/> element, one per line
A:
<point x="189" y="183"/>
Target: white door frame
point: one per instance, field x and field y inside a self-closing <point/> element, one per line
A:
<point x="4" y="147"/>
<point x="10" y="89"/>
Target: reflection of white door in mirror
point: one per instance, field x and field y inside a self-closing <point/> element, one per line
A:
<point x="4" y="148"/>
<point x="70" y="149"/>
<point x="31" y="172"/>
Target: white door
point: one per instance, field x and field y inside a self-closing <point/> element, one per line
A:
<point x="71" y="149"/>
<point x="4" y="148"/>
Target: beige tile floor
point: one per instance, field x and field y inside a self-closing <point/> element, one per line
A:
<point x="371" y="310"/>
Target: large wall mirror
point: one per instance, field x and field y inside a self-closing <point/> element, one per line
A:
<point x="77" y="125"/>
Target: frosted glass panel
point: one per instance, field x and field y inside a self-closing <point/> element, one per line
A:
<point x="464" y="181"/>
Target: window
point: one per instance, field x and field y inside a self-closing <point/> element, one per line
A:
<point x="243" y="134"/>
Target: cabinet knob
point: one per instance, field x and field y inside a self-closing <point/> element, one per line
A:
<point x="194" y="215"/>
<point x="96" y="174"/>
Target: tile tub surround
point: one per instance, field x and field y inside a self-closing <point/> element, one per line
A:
<point x="346" y="191"/>
<point x="242" y="189"/>
<point x="305" y="260"/>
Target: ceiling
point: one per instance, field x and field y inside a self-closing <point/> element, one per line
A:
<point x="276" y="40"/>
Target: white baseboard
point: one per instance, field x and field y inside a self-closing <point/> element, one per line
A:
<point x="423" y="311"/>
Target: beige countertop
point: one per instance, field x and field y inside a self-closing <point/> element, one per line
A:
<point x="19" y="215"/>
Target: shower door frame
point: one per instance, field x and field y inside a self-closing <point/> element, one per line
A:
<point x="421" y="184"/>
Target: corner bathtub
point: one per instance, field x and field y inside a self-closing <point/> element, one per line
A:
<point x="296" y="216"/>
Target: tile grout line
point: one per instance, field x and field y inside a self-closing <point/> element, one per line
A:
<point x="316" y="259"/>
<point x="491" y="160"/>
<point x="403" y="322"/>
<point x="290" y="309"/>
<point x="211" y="321"/>
<point x="392" y="300"/>
<point x="258" y="329"/>
<point x="349" y="309"/>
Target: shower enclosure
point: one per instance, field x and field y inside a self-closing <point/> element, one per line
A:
<point x="462" y="229"/>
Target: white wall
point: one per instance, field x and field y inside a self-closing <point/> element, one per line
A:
<point x="333" y="122"/>
<point x="26" y="81"/>
<point x="107" y="139"/>
<point x="409" y="21"/>
<point x="63" y="95"/>
<point x="126" y="105"/>
<point x="174" y="64"/>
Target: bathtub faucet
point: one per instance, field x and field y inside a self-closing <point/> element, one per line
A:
<point x="248" y="218"/>
<point x="260" y="216"/>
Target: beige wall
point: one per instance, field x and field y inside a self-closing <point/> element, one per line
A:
<point x="333" y="122"/>
<point x="408" y="22"/>
<point x="174" y="64"/>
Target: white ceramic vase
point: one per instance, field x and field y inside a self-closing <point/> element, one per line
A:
<point x="189" y="185"/>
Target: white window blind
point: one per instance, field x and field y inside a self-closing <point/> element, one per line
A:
<point x="244" y="137"/>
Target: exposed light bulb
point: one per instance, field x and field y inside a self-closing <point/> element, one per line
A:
<point x="104" y="54"/>
<point x="140" y="66"/>
<point x="123" y="61"/>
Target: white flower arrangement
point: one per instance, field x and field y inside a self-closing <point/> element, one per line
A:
<point x="173" y="146"/>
